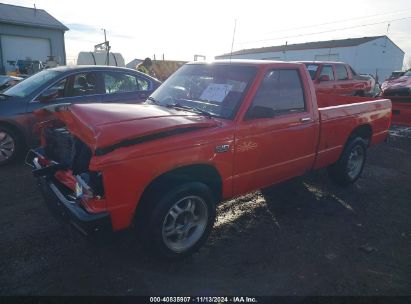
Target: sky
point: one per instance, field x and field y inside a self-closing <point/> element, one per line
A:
<point x="180" y="29"/>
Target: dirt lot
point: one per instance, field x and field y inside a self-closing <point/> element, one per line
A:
<point x="308" y="237"/>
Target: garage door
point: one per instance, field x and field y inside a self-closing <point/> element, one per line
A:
<point x="14" y="48"/>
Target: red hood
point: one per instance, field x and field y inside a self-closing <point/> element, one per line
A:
<point x="400" y="82"/>
<point x="104" y="125"/>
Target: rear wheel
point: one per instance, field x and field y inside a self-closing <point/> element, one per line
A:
<point x="180" y="220"/>
<point x="351" y="163"/>
<point x="10" y="145"/>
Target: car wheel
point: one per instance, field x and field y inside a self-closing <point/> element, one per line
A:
<point x="351" y="163"/>
<point x="180" y="221"/>
<point x="10" y="145"/>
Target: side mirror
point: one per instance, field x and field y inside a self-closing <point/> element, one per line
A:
<point x="259" y="112"/>
<point x="324" y="78"/>
<point x="48" y="95"/>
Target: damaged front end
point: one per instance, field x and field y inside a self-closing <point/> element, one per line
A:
<point x="77" y="140"/>
<point x="71" y="191"/>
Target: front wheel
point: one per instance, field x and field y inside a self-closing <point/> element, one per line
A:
<point x="10" y="145"/>
<point x="181" y="220"/>
<point x="351" y="163"/>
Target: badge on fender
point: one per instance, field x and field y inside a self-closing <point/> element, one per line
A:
<point x="222" y="148"/>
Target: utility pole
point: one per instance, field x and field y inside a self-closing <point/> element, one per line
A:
<point x="107" y="47"/>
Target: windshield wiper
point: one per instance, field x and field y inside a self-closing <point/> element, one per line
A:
<point x="153" y="100"/>
<point x="198" y="110"/>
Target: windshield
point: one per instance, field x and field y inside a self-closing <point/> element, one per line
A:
<point x="29" y="85"/>
<point x="312" y="69"/>
<point x="407" y="73"/>
<point x="213" y="88"/>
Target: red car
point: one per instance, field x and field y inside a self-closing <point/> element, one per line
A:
<point x="338" y="78"/>
<point x="211" y="132"/>
<point x="399" y="91"/>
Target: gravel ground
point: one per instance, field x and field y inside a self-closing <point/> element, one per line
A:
<point x="303" y="237"/>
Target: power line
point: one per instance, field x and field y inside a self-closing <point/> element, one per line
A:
<point x="338" y="21"/>
<point x="328" y="31"/>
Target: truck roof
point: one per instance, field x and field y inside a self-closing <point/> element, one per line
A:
<point x="320" y="62"/>
<point x="254" y="62"/>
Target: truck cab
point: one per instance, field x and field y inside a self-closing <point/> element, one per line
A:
<point x="337" y="78"/>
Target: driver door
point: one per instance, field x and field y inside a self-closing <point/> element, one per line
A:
<point x="277" y="139"/>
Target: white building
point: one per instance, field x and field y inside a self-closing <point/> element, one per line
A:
<point x="373" y="55"/>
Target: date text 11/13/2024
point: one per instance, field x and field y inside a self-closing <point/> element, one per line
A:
<point x="203" y="300"/>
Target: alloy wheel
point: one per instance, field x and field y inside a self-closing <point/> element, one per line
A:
<point x="185" y="223"/>
<point x="7" y="146"/>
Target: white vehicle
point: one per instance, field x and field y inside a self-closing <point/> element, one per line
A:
<point x="100" y="58"/>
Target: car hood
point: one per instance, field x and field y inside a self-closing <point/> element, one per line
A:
<point x="397" y="83"/>
<point x="105" y="127"/>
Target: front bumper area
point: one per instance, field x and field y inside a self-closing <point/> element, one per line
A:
<point x="66" y="208"/>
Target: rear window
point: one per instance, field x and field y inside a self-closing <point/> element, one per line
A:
<point x="312" y="69"/>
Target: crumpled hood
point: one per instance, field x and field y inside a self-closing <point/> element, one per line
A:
<point x="101" y="126"/>
<point x="400" y="82"/>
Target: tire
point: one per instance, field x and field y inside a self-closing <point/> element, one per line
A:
<point x="11" y="145"/>
<point x="359" y="93"/>
<point x="180" y="220"/>
<point x="351" y="163"/>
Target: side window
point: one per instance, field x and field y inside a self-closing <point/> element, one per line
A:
<point x="143" y="84"/>
<point x="341" y="72"/>
<point x="60" y="88"/>
<point x="83" y="84"/>
<point x="57" y="90"/>
<point x="281" y="92"/>
<point x="327" y="70"/>
<point x="119" y="83"/>
<point x="353" y="72"/>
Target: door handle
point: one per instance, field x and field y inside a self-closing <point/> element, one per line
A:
<point x="305" y="119"/>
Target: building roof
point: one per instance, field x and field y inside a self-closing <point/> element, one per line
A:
<point x="133" y="63"/>
<point x="306" y="46"/>
<point x="27" y="16"/>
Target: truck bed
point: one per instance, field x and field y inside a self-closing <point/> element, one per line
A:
<point x="339" y="120"/>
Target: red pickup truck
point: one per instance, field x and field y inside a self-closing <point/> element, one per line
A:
<point x="211" y="132"/>
<point x="337" y="78"/>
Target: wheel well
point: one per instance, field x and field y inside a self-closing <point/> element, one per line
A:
<point x="363" y="131"/>
<point x="206" y="174"/>
<point x="14" y="128"/>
